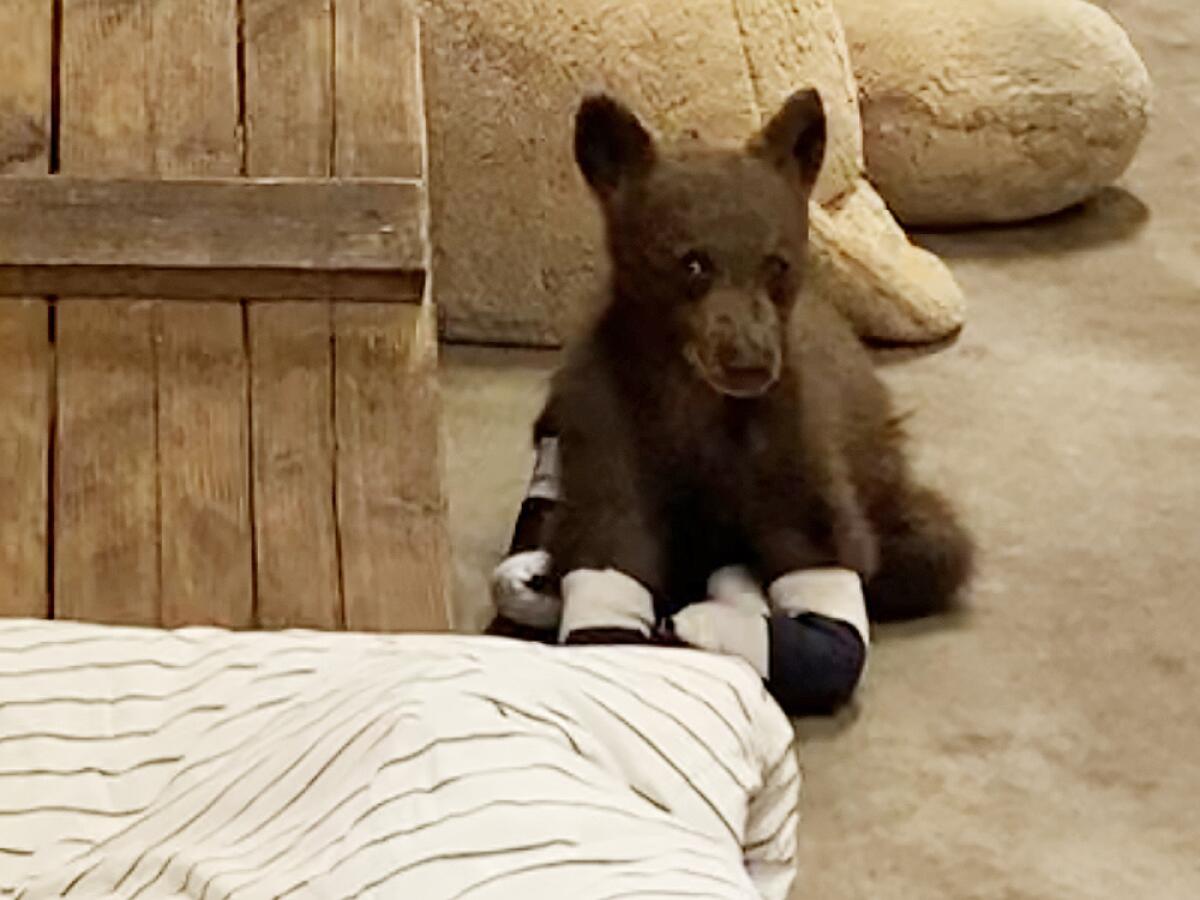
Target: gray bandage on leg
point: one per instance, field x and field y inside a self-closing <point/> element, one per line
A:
<point x="604" y="599"/>
<point x="833" y="593"/>
<point x="546" y="481"/>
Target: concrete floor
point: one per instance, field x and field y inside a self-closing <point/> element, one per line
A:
<point x="1046" y="744"/>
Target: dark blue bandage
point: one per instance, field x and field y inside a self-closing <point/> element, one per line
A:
<point x="815" y="663"/>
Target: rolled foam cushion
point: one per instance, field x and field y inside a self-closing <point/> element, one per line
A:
<point x="988" y="111"/>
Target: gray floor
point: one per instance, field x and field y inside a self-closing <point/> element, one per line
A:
<point x="1047" y="744"/>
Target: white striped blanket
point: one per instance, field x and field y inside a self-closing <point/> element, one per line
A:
<point x="208" y="764"/>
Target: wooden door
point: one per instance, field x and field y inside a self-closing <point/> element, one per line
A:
<point x="218" y="359"/>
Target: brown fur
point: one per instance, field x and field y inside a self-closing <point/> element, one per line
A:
<point x="716" y="413"/>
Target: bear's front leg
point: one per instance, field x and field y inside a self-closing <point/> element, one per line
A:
<point x="795" y="522"/>
<point x="607" y="540"/>
<point x="854" y="539"/>
<point x="813" y="544"/>
<point x="802" y="508"/>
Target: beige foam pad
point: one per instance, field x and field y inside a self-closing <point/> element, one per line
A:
<point x="994" y="110"/>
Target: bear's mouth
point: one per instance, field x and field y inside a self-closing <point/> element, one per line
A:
<point x="741" y="382"/>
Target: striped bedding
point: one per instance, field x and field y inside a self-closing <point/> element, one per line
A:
<point x="209" y="764"/>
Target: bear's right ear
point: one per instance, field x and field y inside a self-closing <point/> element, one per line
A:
<point x="611" y="145"/>
<point x="793" y="141"/>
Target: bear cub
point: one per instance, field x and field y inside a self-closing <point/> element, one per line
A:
<point x="717" y="413"/>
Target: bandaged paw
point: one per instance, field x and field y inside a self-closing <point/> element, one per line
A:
<point x="725" y="628"/>
<point x="735" y="586"/>
<point x="833" y="593"/>
<point x="604" y="599"/>
<point x="519" y="592"/>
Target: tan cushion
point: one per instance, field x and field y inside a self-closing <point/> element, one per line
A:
<point x="994" y="110"/>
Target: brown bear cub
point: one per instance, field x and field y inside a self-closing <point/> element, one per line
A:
<point x="717" y="414"/>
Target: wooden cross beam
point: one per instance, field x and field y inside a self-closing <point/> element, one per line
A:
<point x="215" y="238"/>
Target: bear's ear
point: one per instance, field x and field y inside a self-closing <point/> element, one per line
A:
<point x="610" y="144"/>
<point x="794" y="140"/>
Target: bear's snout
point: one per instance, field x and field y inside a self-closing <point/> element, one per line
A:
<point x="736" y="349"/>
<point x="746" y="368"/>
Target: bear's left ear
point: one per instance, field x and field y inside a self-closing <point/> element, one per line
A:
<point x="794" y="140"/>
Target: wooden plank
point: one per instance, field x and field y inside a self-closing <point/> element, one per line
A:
<point x="26" y="358"/>
<point x="289" y="128"/>
<point x="291" y="362"/>
<point x="289" y="87"/>
<point x="107" y="282"/>
<point x="302" y="225"/>
<point x="106" y="502"/>
<point x="203" y="403"/>
<point x="391" y="505"/>
<point x="25" y="88"/>
<point x="25" y="365"/>
<point x="380" y="106"/>
<point x="204" y="467"/>
<point x="149" y="87"/>
<point x="105" y="114"/>
<point x="106" y="472"/>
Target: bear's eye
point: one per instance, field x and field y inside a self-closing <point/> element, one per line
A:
<point x="776" y="267"/>
<point x="698" y="270"/>
<point x="775" y="272"/>
<point x="696" y="264"/>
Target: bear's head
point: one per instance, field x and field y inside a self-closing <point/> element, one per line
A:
<point x="708" y="245"/>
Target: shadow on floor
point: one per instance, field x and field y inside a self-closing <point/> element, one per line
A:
<point x="1112" y="216"/>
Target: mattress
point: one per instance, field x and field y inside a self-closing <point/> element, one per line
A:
<point x="211" y="764"/>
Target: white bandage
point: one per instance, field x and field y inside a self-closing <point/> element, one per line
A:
<point x="595" y="598"/>
<point x="726" y="628"/>
<point x="516" y="600"/>
<point x="833" y="593"/>
<point x="736" y="586"/>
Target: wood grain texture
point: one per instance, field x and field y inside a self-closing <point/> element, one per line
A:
<point x="26" y="357"/>
<point x="204" y="467"/>
<point x="25" y="87"/>
<point x="212" y="223"/>
<point x="104" y="70"/>
<point x="106" y="502"/>
<point x="291" y="361"/>
<point x="149" y="87"/>
<point x="380" y="107"/>
<point x="25" y="371"/>
<point x="391" y="504"/>
<point x="203" y="411"/>
<point x="289" y="87"/>
<point x="106" y="467"/>
<point x="289" y="132"/>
